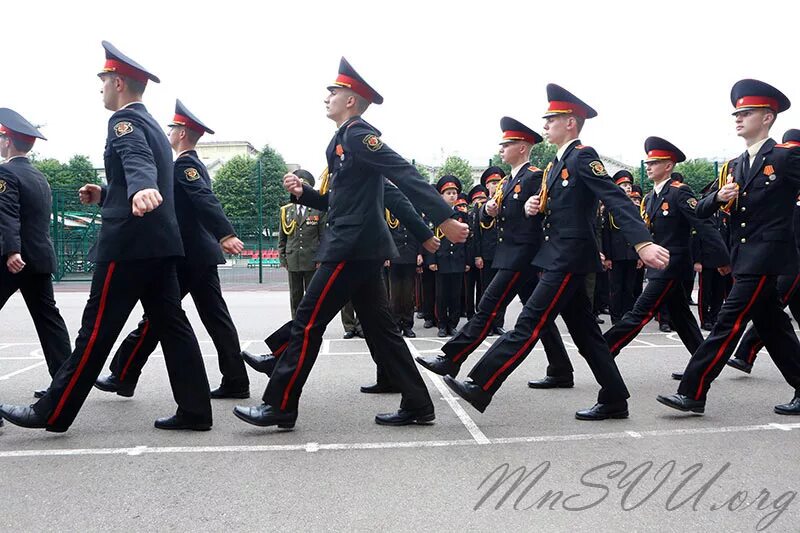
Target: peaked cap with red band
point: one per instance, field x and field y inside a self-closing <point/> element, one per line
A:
<point x="184" y="117"/>
<point x="14" y="125"/>
<point x="791" y="136"/>
<point x="623" y="176"/>
<point x="754" y="94"/>
<point x="659" y="149"/>
<point x="492" y="174"/>
<point x="478" y="191"/>
<point x="349" y="78"/>
<point x="119" y="63"/>
<point x="563" y="102"/>
<point x="514" y="130"/>
<point x="448" y="182"/>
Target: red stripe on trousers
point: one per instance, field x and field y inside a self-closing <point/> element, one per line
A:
<point x="135" y="349"/>
<point x="490" y="321"/>
<point x="310" y="324"/>
<point x="736" y="326"/>
<point x="280" y="350"/>
<point x="788" y="295"/>
<point x="647" y="318"/>
<point x="88" y="350"/>
<point x="757" y="345"/>
<point x="534" y="336"/>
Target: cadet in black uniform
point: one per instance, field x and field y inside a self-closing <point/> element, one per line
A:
<point x="484" y="250"/>
<point x="135" y="261"/>
<point x="520" y="237"/>
<point x="668" y="210"/>
<point x="402" y="270"/>
<point x="30" y="261"/>
<point x="449" y="262"/>
<point x="427" y="282"/>
<point x="787" y="286"/>
<point x="355" y="245"/>
<point x="206" y="233"/>
<point x="760" y="194"/>
<point x="621" y="258"/>
<point x="572" y="184"/>
<point x="472" y="280"/>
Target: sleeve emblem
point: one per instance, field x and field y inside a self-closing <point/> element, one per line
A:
<point x="123" y="128"/>
<point x="692" y="202"/>
<point x="2" y="186"/>
<point x="597" y="168"/>
<point x="372" y="142"/>
<point x="191" y="174"/>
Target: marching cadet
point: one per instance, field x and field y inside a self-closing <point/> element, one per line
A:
<point x="300" y="233"/>
<point x="135" y="261"/>
<point x="571" y="186"/>
<point x="485" y="246"/>
<point x="449" y="262"/>
<point x="669" y="212"/>
<point x="712" y="286"/>
<point x="787" y="284"/>
<point x="206" y="232"/>
<point x="519" y="239"/>
<point x="760" y="192"/>
<point x="30" y="261"/>
<point x="354" y="247"/>
<point x="621" y="258"/>
<point x="402" y="271"/>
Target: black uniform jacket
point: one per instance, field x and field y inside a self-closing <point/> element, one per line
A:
<point x="200" y="216"/>
<point x="26" y="204"/>
<point x="615" y="246"/>
<point x="451" y="258"/>
<point x="137" y="156"/>
<point x="574" y="184"/>
<point x="484" y="236"/>
<point x="760" y="225"/>
<point x="356" y="227"/>
<point x="708" y="256"/>
<point x="671" y="216"/>
<point x="519" y="236"/>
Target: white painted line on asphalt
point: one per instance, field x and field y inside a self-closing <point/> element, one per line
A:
<point x="20" y="371"/>
<point x="313" y="447"/>
<point x="451" y="400"/>
<point x="325" y="349"/>
<point x="640" y="341"/>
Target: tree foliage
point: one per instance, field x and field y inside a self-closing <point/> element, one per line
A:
<point x="458" y="167"/>
<point x="697" y="173"/>
<point x="423" y="171"/>
<point x="66" y="178"/>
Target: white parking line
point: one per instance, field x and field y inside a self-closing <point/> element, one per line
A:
<point x="20" y="371"/>
<point x="452" y="401"/>
<point x="314" y="447"/>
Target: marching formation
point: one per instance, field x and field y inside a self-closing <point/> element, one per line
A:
<point x="386" y="243"/>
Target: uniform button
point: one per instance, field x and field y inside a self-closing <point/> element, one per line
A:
<point x="547" y="237"/>
<point x="500" y="239"/>
<point x="503" y="219"/>
<point x="743" y="240"/>
<point x="301" y="247"/>
<point x="547" y="225"/>
<point x="744" y="209"/>
<point x="743" y="224"/>
<point x="744" y="193"/>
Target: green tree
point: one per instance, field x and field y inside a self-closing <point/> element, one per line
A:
<point x="234" y="185"/>
<point x="697" y="173"/>
<point x="423" y="171"/>
<point x="497" y="162"/>
<point x="542" y="154"/>
<point x="459" y="168"/>
<point x="273" y="168"/>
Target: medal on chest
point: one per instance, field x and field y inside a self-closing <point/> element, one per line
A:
<point x="517" y="189"/>
<point x="564" y="177"/>
<point x="665" y="208"/>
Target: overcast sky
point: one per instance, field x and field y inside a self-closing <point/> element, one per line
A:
<point x="448" y="71"/>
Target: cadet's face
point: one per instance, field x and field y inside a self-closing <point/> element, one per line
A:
<point x="625" y="187"/>
<point x="336" y="103"/>
<point x="109" y="91"/>
<point x="174" y="136"/>
<point x="555" y="129"/>
<point x="749" y="123"/>
<point x="506" y="152"/>
<point x="492" y="187"/>
<point x="657" y="170"/>
<point x="450" y="196"/>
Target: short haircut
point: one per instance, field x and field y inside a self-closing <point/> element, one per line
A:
<point x="134" y="86"/>
<point x="580" y="121"/>
<point x="21" y="145"/>
<point x="193" y="135"/>
<point x="361" y="103"/>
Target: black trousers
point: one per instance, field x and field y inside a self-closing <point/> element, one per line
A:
<point x="638" y="284"/>
<point x="448" y="299"/>
<point x="602" y="292"/>
<point x="298" y="283"/>
<point x="487" y="275"/>
<point x="202" y="282"/>
<point x="659" y="293"/>
<point x="710" y="295"/>
<point x="472" y="289"/>
<point x="401" y="290"/>
<point x="751" y="342"/>
<point x="753" y="298"/>
<point x="428" y="294"/>
<point x="505" y="285"/>
<point x="116" y="287"/>
<point x="622" y="279"/>
<point x="37" y="291"/>
<point x="335" y="284"/>
<point x="556" y="293"/>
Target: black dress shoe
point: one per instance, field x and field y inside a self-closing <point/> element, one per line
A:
<point x="664" y="328"/>
<point x="265" y="415"/>
<point x="182" y="422"/>
<point x="477" y="397"/>
<point x="379" y="388"/>
<point x="40" y="393"/>
<point x="439" y="365"/>
<point x="349" y="334"/>
<point x="428" y="324"/>
<point x="442" y="332"/>
<point x="677" y="376"/>
<point x="405" y="417"/>
<point x="740" y="364"/>
<point x="223" y="391"/>
<point x="111" y="383"/>
<point x="682" y="402"/>
<point x="408" y="332"/>
<point x="498" y="331"/>
<point x="604" y="411"/>
<point x="260" y="363"/>
<point x="23" y="416"/>
<point x="552" y="382"/>
<point x="791" y="408"/>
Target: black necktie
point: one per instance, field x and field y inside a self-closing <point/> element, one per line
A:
<point x="746" y="165"/>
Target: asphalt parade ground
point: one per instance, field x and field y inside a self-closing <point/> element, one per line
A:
<point x="734" y="469"/>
